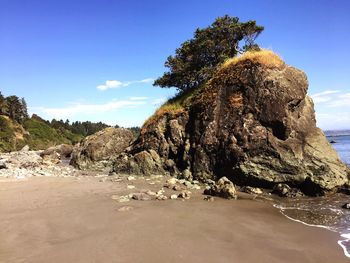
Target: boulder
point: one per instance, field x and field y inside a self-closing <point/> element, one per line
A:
<point x="98" y="151"/>
<point x="223" y="188"/>
<point x="253" y="122"/>
<point x="53" y="158"/>
<point x="64" y="151"/>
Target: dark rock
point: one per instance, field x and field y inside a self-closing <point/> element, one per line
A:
<point x="141" y="197"/>
<point x="3" y="165"/>
<point x="285" y="190"/>
<point x="98" y="151"/>
<point x="333" y="141"/>
<point x="346" y="206"/>
<point x="252" y="122"/>
<point x="281" y="190"/>
<point x="223" y="188"/>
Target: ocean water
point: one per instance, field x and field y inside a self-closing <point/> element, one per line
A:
<point x="342" y="146"/>
<point x="324" y="212"/>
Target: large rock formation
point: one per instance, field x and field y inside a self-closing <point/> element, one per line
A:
<point x="98" y="151"/>
<point x="252" y="122"/>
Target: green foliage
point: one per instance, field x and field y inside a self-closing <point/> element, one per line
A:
<point x="85" y="128"/>
<point x="197" y="58"/>
<point x="13" y="107"/>
<point x="7" y="138"/>
<point x="42" y="135"/>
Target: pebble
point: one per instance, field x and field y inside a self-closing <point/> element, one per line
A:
<point x="173" y="197"/>
<point x="141" y="197"/>
<point x="125" y="208"/>
<point x="121" y="199"/>
<point x="208" y="198"/>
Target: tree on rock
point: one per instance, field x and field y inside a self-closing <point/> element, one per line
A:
<point x="197" y="58"/>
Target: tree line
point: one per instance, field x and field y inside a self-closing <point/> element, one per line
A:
<point x="86" y="128"/>
<point x="16" y="109"/>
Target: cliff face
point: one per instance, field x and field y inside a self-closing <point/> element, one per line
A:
<point x="253" y="123"/>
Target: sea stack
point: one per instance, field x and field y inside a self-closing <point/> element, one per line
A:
<point x="253" y="123"/>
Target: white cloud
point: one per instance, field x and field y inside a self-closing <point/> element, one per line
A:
<point x="92" y="109"/>
<point x="332" y="109"/>
<point x="332" y="121"/>
<point x="115" y="84"/>
<point x="324" y="96"/>
<point x="331" y="98"/>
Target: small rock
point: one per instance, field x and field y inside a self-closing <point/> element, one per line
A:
<point x="252" y="190"/>
<point x="346" y="206"/>
<point x="161" y="197"/>
<point x="171" y="181"/>
<point x="188" y="184"/>
<point x="125" y="208"/>
<point x="131" y="178"/>
<point x="186" y="174"/>
<point x="173" y="197"/>
<point x="185" y="195"/>
<point x="160" y="192"/>
<point x="209" y="198"/>
<point x="121" y="199"/>
<point x="178" y="187"/>
<point x="131" y="186"/>
<point x="196" y="187"/>
<point x="141" y="197"/>
<point x="151" y="193"/>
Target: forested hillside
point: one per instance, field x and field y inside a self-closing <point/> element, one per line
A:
<point x="17" y="129"/>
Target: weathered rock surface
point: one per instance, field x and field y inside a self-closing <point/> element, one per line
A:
<point x="253" y="123"/>
<point x="223" y="188"/>
<point x="97" y="151"/>
<point x="64" y="150"/>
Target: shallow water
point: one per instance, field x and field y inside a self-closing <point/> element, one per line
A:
<point x="324" y="212"/>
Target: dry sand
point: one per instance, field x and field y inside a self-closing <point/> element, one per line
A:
<point x="75" y="220"/>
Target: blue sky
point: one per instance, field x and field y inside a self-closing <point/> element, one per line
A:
<point x="95" y="60"/>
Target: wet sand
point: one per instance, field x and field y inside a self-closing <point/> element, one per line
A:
<point x="57" y="219"/>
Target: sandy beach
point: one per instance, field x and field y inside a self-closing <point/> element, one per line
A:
<point x="74" y="219"/>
